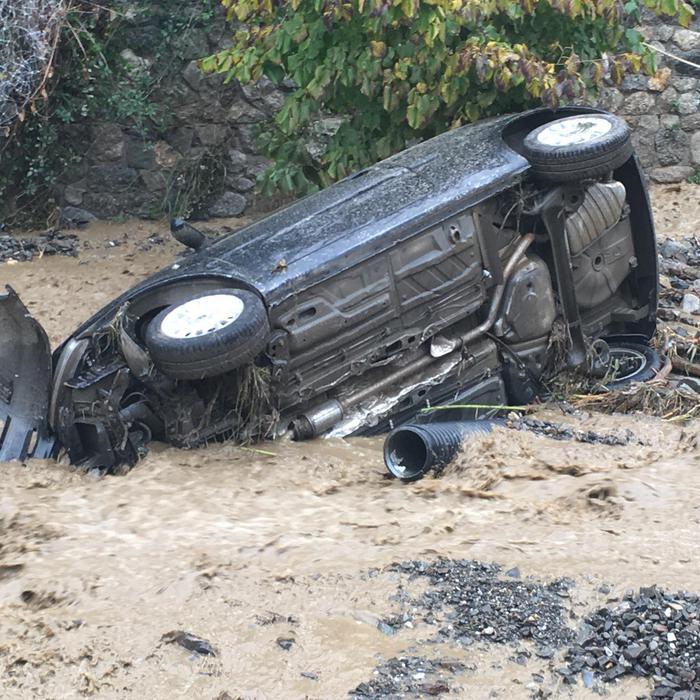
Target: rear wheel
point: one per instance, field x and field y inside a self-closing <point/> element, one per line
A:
<point x="631" y="362"/>
<point x="578" y="147"/>
<point x="209" y="334"/>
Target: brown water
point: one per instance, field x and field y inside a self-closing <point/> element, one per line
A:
<point x="216" y="542"/>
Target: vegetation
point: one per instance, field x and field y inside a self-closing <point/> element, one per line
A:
<point x="397" y="71"/>
<point x="87" y="77"/>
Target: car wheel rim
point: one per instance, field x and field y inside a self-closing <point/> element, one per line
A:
<point x="626" y="363"/>
<point x="574" y="131"/>
<point x="198" y="317"/>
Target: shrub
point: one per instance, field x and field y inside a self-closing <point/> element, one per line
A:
<point x="397" y="71"/>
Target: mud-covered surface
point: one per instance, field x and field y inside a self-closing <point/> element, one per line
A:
<point x="301" y="571"/>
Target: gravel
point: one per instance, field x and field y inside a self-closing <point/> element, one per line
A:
<point x="49" y="243"/>
<point x="565" y="432"/>
<point x="652" y="634"/>
<point x="469" y="601"/>
<point x="409" y="677"/>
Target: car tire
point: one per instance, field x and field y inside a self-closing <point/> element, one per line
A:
<point x="578" y="147"/>
<point x="643" y="362"/>
<point x="209" y="334"/>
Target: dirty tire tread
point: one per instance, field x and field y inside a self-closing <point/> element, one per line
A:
<point x="215" y="353"/>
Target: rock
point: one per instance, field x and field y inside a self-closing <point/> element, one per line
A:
<point x="687" y="39"/>
<point x="691" y="303"/>
<point x="672" y="173"/>
<point x="634" y="81"/>
<point x="139" y="154"/>
<point x="193" y="76"/>
<point x="166" y="156"/>
<point x="662" y="32"/>
<point x="103" y="204"/>
<point x="639" y="103"/>
<point x="690" y="122"/>
<point x="695" y="148"/>
<point x="686" y="68"/>
<point x="659" y="81"/>
<point x="193" y="44"/>
<point x="75" y="216"/>
<point x="190" y="642"/>
<point x="684" y="84"/>
<point x="236" y="160"/>
<point x="241" y="112"/>
<point x="136" y="63"/>
<point x="285" y="643"/>
<point x="111" y="178"/>
<point x="227" y="204"/>
<point x="211" y="134"/>
<point x="154" y="180"/>
<point x="73" y="194"/>
<point x="243" y="184"/>
<point x="668" y="100"/>
<point x="610" y="99"/>
<point x="181" y="139"/>
<point x="672" y="146"/>
<point x="671" y="248"/>
<point x="645" y="147"/>
<point x="649" y="122"/>
<point x="107" y="142"/>
<point x="669" y="121"/>
<point x="688" y="103"/>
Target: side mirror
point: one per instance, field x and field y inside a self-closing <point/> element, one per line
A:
<point x="187" y="234"/>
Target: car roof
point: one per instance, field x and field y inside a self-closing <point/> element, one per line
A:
<point x="370" y="211"/>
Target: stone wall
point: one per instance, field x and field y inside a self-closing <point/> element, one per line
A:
<point x="203" y="161"/>
<point x="208" y="146"/>
<point x="664" y="110"/>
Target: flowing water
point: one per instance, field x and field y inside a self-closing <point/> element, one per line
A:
<point x="245" y="547"/>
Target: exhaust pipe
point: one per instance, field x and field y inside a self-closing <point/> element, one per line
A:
<point x="411" y="450"/>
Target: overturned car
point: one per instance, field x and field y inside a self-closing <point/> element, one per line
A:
<point x="438" y="276"/>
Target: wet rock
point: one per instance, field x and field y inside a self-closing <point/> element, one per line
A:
<point x="671" y="248"/>
<point x="472" y="601"/>
<point x="190" y="642"/>
<point x="656" y="635"/>
<point x="73" y="217"/>
<point x="285" y="643"/>
<point x="227" y="204"/>
<point x="408" y="677"/>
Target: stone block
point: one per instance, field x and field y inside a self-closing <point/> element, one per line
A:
<point x="672" y="173"/>
<point x="107" y="178"/>
<point x="639" y="103"/>
<point x="688" y="102"/>
<point x="695" y="148"/>
<point x="107" y="142"/>
<point x="687" y="39"/>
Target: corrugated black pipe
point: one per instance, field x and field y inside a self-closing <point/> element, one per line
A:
<point x="411" y="450"/>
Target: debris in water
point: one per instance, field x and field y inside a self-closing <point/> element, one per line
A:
<point x="189" y="642"/>
<point x="566" y="432"/>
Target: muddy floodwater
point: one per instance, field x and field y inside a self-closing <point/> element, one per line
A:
<point x="279" y="558"/>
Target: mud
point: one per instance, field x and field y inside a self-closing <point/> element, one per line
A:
<point x="241" y="548"/>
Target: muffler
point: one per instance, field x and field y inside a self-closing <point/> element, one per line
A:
<point x="411" y="450"/>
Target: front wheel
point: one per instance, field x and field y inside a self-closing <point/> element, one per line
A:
<point x="211" y="333"/>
